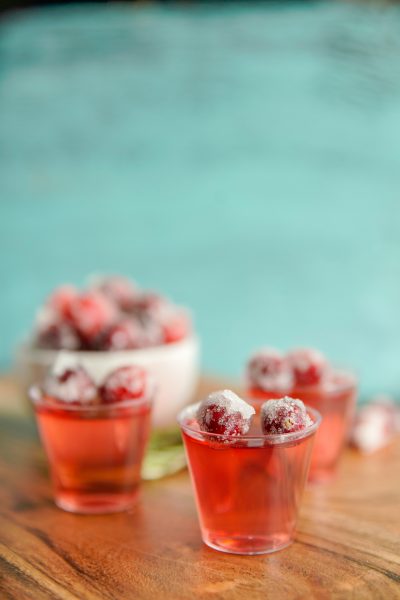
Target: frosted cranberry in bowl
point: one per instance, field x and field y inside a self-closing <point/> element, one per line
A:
<point x="113" y="323"/>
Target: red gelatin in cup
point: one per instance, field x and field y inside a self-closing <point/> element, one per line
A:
<point x="247" y="488"/>
<point x="95" y="455"/>
<point x="331" y="392"/>
<point x="94" y="443"/>
<point x="335" y="399"/>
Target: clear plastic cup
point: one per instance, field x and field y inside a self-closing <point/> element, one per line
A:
<point x="95" y="452"/>
<point x="247" y="488"/>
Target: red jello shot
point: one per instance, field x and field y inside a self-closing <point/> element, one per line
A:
<point x="94" y="438"/>
<point x="319" y="385"/>
<point x="248" y="483"/>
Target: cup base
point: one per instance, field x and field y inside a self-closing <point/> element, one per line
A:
<point x="95" y="504"/>
<point x="248" y="545"/>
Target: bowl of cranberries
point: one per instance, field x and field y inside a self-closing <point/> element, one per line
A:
<point x="113" y="323"/>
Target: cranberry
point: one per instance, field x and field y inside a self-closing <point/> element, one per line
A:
<point x="71" y="385"/>
<point x="285" y="415"/>
<point x="125" y="383"/>
<point x="127" y="334"/>
<point x="91" y="313"/>
<point x="308" y="366"/>
<point x="150" y="303"/>
<point x="61" y="300"/>
<point x="269" y="371"/>
<point x="175" y="326"/>
<point x="53" y="333"/>
<point x="120" y="290"/>
<point x="58" y="336"/>
<point x="224" y="413"/>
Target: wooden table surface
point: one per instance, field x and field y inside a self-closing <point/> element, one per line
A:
<point x="347" y="544"/>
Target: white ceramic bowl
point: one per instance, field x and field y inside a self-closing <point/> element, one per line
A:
<point x="175" y="368"/>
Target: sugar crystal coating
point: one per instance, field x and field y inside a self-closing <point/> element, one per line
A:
<point x="308" y="366"/>
<point x="224" y="413"/>
<point x="269" y="371"/>
<point x="284" y="415"/>
<point x="118" y="289"/>
<point x="175" y="325"/>
<point x="91" y="313"/>
<point x="128" y="334"/>
<point x="61" y="300"/>
<point x="125" y="383"/>
<point x="53" y="332"/>
<point x="72" y="385"/>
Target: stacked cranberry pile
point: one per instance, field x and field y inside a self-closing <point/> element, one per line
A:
<point x="74" y="386"/>
<point x="271" y="371"/>
<point x="113" y="314"/>
<point x="225" y="414"/>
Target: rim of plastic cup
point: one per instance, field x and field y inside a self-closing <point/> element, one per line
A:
<point x="273" y="438"/>
<point x="39" y="399"/>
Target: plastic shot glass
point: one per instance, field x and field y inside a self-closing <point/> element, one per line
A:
<point x="247" y="488"/>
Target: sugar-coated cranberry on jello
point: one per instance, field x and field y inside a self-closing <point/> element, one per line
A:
<point x="269" y="370"/>
<point x="70" y="385"/>
<point x="224" y="413"/>
<point x="309" y="366"/>
<point x="125" y="383"/>
<point x="284" y="415"/>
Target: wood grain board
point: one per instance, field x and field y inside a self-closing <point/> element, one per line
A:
<point x="347" y="545"/>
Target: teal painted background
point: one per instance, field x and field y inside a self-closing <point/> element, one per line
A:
<point x="245" y="160"/>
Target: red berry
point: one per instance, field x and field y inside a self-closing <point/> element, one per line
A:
<point x="308" y="366"/>
<point x="224" y="413"/>
<point x="269" y="371"/>
<point x="58" y="336"/>
<point x="127" y="334"/>
<point x="175" y="326"/>
<point x="71" y="385"/>
<point x="151" y="303"/>
<point x="118" y="289"/>
<point x="53" y="333"/>
<point x="91" y="313"/>
<point x="61" y="300"/>
<point x="125" y="383"/>
<point x="285" y="415"/>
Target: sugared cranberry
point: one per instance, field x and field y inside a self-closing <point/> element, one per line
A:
<point x="53" y="333"/>
<point x="127" y="334"/>
<point x="285" y="415"/>
<point x="61" y="300"/>
<point x="91" y="313"/>
<point x="120" y="290"/>
<point x="175" y="326"/>
<point x="224" y="413"/>
<point x="125" y="383"/>
<point x="58" y="336"/>
<point x="308" y="366"/>
<point x="150" y="303"/>
<point x="269" y="370"/>
<point x="71" y="385"/>
<point x="375" y="424"/>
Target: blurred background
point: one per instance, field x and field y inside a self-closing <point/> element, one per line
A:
<point x="242" y="158"/>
